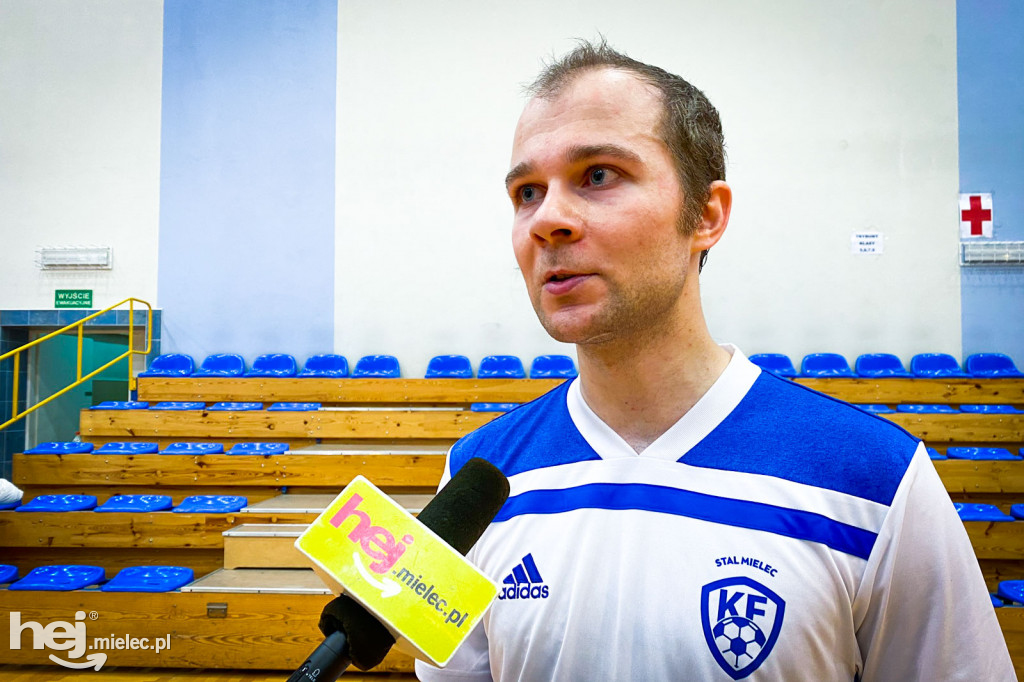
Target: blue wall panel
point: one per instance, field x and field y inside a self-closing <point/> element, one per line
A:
<point x="247" y="177"/>
<point x="990" y="76"/>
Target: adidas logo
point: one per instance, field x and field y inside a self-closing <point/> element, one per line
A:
<point x="524" y="582"/>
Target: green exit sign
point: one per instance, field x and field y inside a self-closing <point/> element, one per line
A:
<point x="72" y="298"/>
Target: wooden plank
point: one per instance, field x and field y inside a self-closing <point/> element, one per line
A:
<point x="402" y="424"/>
<point x="276" y="426"/>
<point x="227" y="471"/>
<point x="992" y="429"/>
<point x="1011" y="621"/>
<point x="997" y="570"/>
<point x="201" y="561"/>
<point x="344" y="391"/>
<point x="996" y="540"/>
<point x="260" y="631"/>
<point x="177" y="493"/>
<point x="966" y="476"/>
<point x="249" y="552"/>
<point x="896" y="391"/>
<point x="122" y="530"/>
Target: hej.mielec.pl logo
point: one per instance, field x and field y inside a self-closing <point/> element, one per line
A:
<point x="71" y="637"/>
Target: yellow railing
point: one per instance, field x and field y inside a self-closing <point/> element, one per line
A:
<point x="79" y="380"/>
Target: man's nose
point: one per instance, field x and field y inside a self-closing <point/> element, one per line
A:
<point x="559" y="218"/>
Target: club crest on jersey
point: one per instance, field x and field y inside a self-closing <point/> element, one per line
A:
<point x="524" y="582"/>
<point x="741" y="620"/>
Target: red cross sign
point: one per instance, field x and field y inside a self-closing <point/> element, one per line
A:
<point x="975" y="215"/>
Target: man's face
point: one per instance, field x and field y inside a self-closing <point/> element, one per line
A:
<point x="598" y="207"/>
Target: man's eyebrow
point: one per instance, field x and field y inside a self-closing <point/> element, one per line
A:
<point x="589" y="151"/>
<point x="521" y="169"/>
<point x="576" y="154"/>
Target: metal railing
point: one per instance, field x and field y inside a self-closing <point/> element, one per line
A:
<point x="80" y="379"/>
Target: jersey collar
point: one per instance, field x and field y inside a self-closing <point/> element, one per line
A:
<point x="713" y="407"/>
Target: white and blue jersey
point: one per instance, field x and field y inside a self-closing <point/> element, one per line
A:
<point x="772" y="533"/>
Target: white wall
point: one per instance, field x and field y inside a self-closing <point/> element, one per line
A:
<point x="839" y="117"/>
<point x="79" y="144"/>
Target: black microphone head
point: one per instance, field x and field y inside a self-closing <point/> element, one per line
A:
<point x="462" y="510"/>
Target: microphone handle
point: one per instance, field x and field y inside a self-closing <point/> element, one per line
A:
<point x="327" y="661"/>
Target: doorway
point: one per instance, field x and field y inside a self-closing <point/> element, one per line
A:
<point x="52" y="366"/>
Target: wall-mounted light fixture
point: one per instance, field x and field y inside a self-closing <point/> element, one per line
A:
<point x="991" y="253"/>
<point x="75" y="258"/>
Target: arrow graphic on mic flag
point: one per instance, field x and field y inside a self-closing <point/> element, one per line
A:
<point x="91" y="661"/>
<point x="387" y="587"/>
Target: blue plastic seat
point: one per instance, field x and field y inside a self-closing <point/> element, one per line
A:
<point x="4" y="506"/>
<point x="493" y="407"/>
<point x="186" y="448"/>
<point x="980" y="512"/>
<point x="258" y="449"/>
<point x="170" y="365"/>
<point x="294" y="407"/>
<point x="325" y="365"/>
<point x="211" y="504"/>
<point x="874" y="408"/>
<point x="935" y="454"/>
<point x="553" y="367"/>
<point x="60" y="448"/>
<point x="179" y="405"/>
<point x="121" y="448"/>
<point x="1017" y="511"/>
<point x="880" y="365"/>
<point x="990" y="409"/>
<point x="825" y="365"/>
<point x="149" y="579"/>
<point x="991" y="366"/>
<point x="8" y="573"/>
<point x="501" y="367"/>
<point x="221" y="365"/>
<point x="996" y="601"/>
<point x="1012" y="591"/>
<point x="273" y="365"/>
<point x="136" y="503"/>
<point x="935" y="365"/>
<point x="385" y="366"/>
<point x="450" y="367"/>
<point x="980" y="453"/>
<point x="59" y="503"/>
<point x="776" y="363"/>
<point x="121" y="405"/>
<point x="60" y="578"/>
<point x="235" y="407"/>
<point x="927" y="409"/>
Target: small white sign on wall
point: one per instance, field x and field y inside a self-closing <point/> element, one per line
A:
<point x="866" y="242"/>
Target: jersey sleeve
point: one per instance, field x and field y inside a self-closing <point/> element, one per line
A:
<point x="922" y="609"/>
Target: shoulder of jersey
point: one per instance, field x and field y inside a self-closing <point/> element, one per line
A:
<point x="536" y="434"/>
<point x="786" y="430"/>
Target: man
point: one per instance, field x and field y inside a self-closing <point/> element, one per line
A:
<point x="675" y="513"/>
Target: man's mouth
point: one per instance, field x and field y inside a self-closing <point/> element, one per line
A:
<point x="558" y="283"/>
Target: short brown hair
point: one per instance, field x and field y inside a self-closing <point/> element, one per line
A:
<point x="690" y="125"/>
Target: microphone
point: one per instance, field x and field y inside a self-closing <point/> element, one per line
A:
<point x="458" y="515"/>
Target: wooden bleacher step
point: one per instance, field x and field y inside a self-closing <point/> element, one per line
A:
<point x="264" y="545"/>
<point x="260" y="581"/>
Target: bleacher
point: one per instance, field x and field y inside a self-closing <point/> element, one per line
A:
<point x="274" y="444"/>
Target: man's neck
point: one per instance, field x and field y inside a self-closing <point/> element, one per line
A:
<point x="641" y="387"/>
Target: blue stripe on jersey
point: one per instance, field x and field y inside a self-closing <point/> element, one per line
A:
<point x="793" y="523"/>
<point x="788" y="431"/>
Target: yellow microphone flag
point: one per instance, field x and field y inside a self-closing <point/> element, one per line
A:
<point x="427" y="594"/>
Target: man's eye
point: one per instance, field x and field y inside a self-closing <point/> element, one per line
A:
<point x="528" y="193"/>
<point x="600" y="176"/>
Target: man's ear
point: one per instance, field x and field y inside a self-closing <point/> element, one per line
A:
<point x="714" y="218"/>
